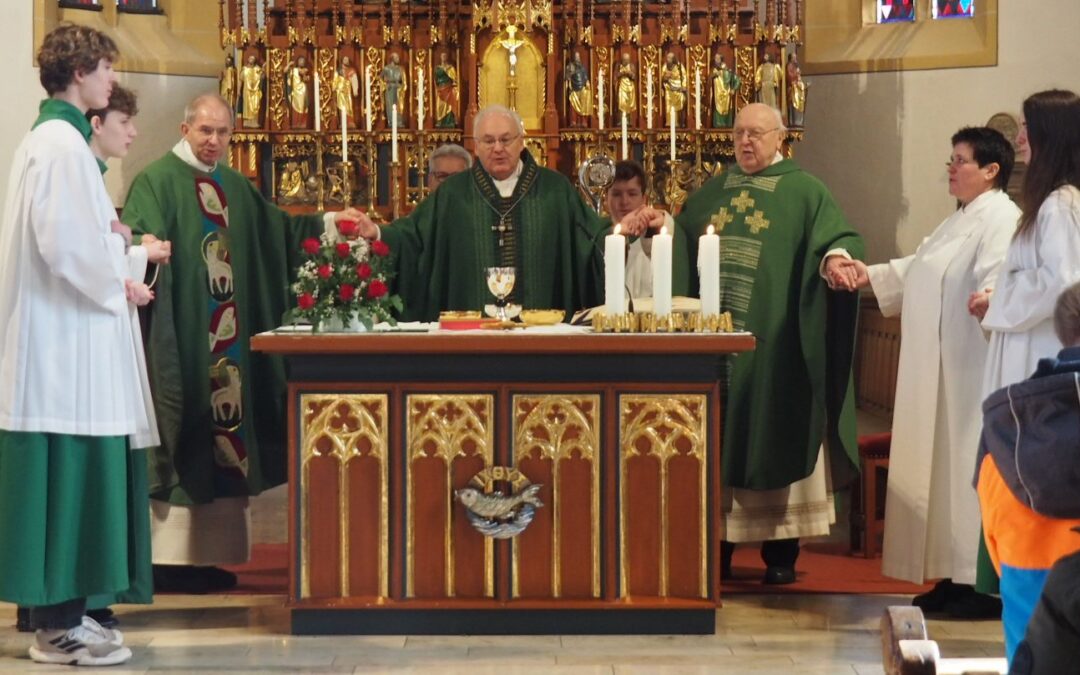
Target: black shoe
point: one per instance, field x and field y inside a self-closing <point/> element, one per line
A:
<point x="777" y="575"/>
<point x="104" y="617"/>
<point x="217" y="579"/>
<point x="22" y="620"/>
<point x="727" y="551"/>
<point x="974" y="605"/>
<point x="179" y="579"/>
<point x="936" y="598"/>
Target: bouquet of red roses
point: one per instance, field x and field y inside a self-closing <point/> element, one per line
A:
<point x="343" y="281"/>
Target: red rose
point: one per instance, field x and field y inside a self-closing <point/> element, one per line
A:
<point x="380" y="248"/>
<point x="347" y="228"/>
<point x="363" y="270"/>
<point x="347" y="292"/>
<point x="325" y="271"/>
<point x="376" y="289"/>
<point x="342" y="250"/>
<point x="305" y="301"/>
<point x="311" y="245"/>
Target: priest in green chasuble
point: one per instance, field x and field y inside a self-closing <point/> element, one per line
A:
<point x="220" y="407"/>
<point x="789" y="424"/>
<point x="505" y="211"/>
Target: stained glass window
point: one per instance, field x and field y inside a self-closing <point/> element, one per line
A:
<point x="952" y="9"/>
<point x="893" y="11"/>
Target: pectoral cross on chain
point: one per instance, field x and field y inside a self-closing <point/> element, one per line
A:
<point x="500" y="228"/>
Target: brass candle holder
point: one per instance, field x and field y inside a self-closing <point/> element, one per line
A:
<point x="320" y="174"/>
<point x="369" y="146"/>
<point x="395" y="189"/>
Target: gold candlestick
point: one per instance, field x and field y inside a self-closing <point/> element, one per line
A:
<point x="372" y="212"/>
<point x="320" y="174"/>
<point x="395" y="189"/>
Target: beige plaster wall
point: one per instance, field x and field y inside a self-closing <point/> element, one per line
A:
<point x="880" y="141"/>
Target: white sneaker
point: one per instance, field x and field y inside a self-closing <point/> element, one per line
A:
<point x="78" y="646"/>
<point x="111" y="634"/>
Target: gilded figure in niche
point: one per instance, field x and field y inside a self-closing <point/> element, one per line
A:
<point x="725" y="84"/>
<point x="768" y="80"/>
<point x="447" y="94"/>
<point x="393" y="77"/>
<point x="229" y="82"/>
<point x="251" y="78"/>
<point x="627" y="85"/>
<point x="673" y="79"/>
<point x="346" y="85"/>
<point x="579" y="90"/>
<point x="293" y="184"/>
<point x="298" y="75"/>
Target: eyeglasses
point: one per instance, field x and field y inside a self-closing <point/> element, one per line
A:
<point x="489" y="143"/>
<point x="958" y="161"/>
<point x="754" y="135"/>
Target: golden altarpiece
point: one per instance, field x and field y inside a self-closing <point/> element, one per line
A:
<point x="578" y="72"/>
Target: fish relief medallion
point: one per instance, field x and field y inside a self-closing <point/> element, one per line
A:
<point x="493" y="513"/>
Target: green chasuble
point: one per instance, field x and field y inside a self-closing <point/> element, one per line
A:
<point x="794" y="391"/>
<point x="220" y="407"/>
<point x="544" y="230"/>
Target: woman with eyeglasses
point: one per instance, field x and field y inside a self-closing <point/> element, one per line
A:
<point x="931" y="512"/>
<point x="1043" y="261"/>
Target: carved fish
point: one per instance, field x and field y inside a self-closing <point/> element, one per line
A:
<point x="497" y="506"/>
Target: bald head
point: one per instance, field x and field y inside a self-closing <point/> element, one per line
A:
<point x="759" y="135"/>
<point x="207" y="127"/>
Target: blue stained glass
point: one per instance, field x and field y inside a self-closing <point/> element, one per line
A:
<point x="894" y="11"/>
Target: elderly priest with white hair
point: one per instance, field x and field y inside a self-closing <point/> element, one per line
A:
<point x="789" y="413"/>
<point x="506" y="211"/>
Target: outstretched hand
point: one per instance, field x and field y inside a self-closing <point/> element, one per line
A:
<point x="842" y="274"/>
<point x="364" y="227"/>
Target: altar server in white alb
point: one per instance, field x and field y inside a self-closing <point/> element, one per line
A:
<point x="931" y="513"/>
<point x="71" y="397"/>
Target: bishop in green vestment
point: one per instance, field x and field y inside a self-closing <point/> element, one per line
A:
<point x="220" y="407"/>
<point x="782" y="238"/>
<point x="505" y="211"/>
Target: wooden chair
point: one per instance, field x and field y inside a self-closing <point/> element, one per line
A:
<point x="870" y="516"/>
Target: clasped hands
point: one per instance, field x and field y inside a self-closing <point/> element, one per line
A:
<point x="641" y="220"/>
<point x="157" y="252"/>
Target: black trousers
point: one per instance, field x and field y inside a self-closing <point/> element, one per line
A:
<point x="57" y="617"/>
<point x="775" y="553"/>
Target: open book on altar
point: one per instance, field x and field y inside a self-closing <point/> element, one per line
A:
<point x="679" y="303"/>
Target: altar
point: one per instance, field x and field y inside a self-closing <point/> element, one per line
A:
<point x="589" y="464"/>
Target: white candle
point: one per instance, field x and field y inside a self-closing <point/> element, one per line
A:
<point x="697" y="99"/>
<point x="708" y="263"/>
<point x="661" y="273"/>
<point x="367" y="96"/>
<point x="393" y="134"/>
<point x="648" y="99"/>
<point x="318" y="100"/>
<point x="625" y="140"/>
<point x="600" y="98"/>
<point x="344" y="134"/>
<point x="671" y="121"/>
<point x="615" y="273"/>
<point x="420" y="101"/>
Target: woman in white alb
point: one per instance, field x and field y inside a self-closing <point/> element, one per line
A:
<point x="931" y="511"/>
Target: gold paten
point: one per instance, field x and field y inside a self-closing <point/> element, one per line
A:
<point x="659" y="422"/>
<point x="556" y="428"/>
<point x="442" y="426"/>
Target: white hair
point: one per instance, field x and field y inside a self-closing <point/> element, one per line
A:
<point x="192" y="108"/>
<point x="778" y="117"/>
<point x="496" y="109"/>
<point x="449" y="150"/>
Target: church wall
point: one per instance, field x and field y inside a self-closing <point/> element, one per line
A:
<point x="161" y="103"/>
<point x="880" y="140"/>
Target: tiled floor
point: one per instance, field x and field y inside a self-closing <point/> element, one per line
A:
<point x="766" y="634"/>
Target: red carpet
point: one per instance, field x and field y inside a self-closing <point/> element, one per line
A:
<point x="822" y="568"/>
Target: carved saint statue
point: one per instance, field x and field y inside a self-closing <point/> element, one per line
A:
<point x="580" y="91"/>
<point x="673" y="79"/>
<point x="251" y="79"/>
<point x="627" y="85"/>
<point x="768" y="80"/>
<point x="299" y="73"/>
<point x="346" y="85"/>
<point x="393" y="77"/>
<point x="796" y="92"/>
<point x="725" y="85"/>
<point x="292" y="188"/>
<point x="447" y="96"/>
<point x="229" y="82"/>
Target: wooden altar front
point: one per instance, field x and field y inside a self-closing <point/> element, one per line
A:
<point x="621" y="431"/>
